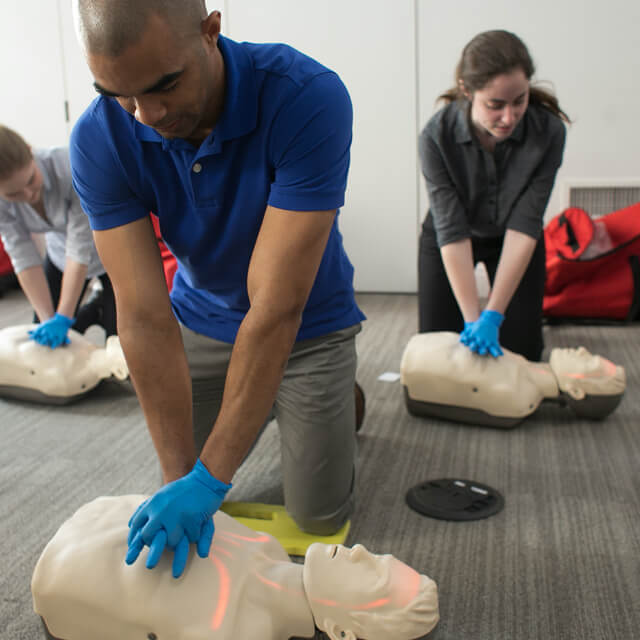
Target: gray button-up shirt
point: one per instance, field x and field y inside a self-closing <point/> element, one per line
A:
<point x="67" y="233"/>
<point x="474" y="192"/>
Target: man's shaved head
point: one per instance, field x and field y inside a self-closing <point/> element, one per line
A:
<point x="108" y="27"/>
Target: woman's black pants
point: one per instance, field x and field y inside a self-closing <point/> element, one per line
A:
<point x="100" y="310"/>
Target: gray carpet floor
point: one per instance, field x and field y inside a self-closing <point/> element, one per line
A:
<point x="560" y="562"/>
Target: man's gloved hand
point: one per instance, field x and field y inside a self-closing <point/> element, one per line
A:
<point x="179" y="514"/>
<point x="481" y="336"/>
<point x="52" y="332"/>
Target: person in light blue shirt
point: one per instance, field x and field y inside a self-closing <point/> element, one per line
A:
<point x="37" y="197"/>
<point x="242" y="151"/>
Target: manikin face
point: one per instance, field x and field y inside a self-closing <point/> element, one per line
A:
<point x="498" y="107"/>
<point x="579" y="372"/>
<point x="174" y="85"/>
<point x="340" y="582"/>
<point x="24" y="185"/>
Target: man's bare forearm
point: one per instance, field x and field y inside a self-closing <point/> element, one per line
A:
<point x="159" y="371"/>
<point x="257" y="364"/>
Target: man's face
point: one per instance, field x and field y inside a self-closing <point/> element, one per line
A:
<point x="497" y="108"/>
<point x="174" y="85"/>
<point x="24" y="185"/>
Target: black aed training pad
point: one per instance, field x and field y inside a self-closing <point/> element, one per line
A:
<point x="454" y="499"/>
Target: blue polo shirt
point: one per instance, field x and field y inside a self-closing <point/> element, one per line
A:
<point x="283" y="139"/>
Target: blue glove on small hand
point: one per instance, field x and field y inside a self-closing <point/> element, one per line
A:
<point x="465" y="332"/>
<point x="481" y="336"/>
<point x="52" y="332"/>
<point x="179" y="514"/>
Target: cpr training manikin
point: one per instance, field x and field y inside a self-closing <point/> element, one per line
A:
<point x="37" y="373"/>
<point x="444" y="379"/>
<point x="246" y="588"/>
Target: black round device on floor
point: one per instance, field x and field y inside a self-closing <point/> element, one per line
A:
<point x="454" y="499"/>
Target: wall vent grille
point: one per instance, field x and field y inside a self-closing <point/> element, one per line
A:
<point x="600" y="200"/>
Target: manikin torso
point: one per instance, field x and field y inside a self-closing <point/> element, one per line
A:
<point x="439" y="371"/>
<point x="437" y="367"/>
<point x="246" y="588"/>
<point x="55" y="375"/>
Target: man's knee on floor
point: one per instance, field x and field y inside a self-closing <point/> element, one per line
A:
<point x="323" y="524"/>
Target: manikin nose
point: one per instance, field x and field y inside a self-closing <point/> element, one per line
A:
<point x="149" y="111"/>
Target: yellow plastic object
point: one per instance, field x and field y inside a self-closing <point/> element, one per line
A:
<point x="274" y="520"/>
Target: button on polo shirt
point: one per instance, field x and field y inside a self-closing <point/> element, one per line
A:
<point x="283" y="139"/>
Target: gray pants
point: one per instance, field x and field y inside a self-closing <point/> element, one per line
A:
<point x="315" y="411"/>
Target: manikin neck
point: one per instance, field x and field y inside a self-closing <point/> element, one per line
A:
<point x="544" y="378"/>
<point x="289" y="598"/>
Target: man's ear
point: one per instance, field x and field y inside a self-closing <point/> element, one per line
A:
<point x="210" y="27"/>
<point x="336" y="632"/>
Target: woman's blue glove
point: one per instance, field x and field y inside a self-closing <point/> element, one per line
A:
<point x="465" y="332"/>
<point x="481" y="336"/>
<point x="179" y="514"/>
<point x="52" y="332"/>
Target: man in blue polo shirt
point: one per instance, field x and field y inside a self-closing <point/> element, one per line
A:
<point x="242" y="150"/>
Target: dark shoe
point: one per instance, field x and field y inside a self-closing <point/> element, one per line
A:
<point x="360" y="405"/>
<point x="91" y="312"/>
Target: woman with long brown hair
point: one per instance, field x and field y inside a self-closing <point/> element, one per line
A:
<point x="490" y="158"/>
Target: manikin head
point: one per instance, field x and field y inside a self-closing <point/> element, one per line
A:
<point x="580" y="373"/>
<point x="159" y="59"/>
<point x="355" y="594"/>
<point x="20" y="177"/>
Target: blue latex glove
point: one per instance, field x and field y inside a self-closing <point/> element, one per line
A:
<point x="179" y="514"/>
<point x="52" y="332"/>
<point x="465" y="332"/>
<point x="481" y="336"/>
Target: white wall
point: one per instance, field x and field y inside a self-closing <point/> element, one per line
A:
<point x="587" y="49"/>
<point x="395" y="58"/>
<point x="31" y="70"/>
<point x="377" y="64"/>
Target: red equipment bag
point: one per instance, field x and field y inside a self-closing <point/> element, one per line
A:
<point x="593" y="265"/>
<point x="169" y="262"/>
